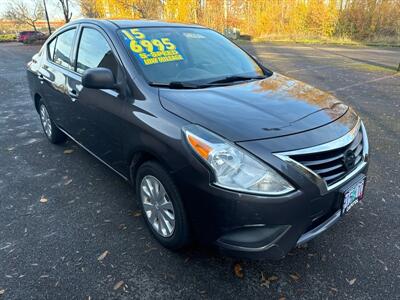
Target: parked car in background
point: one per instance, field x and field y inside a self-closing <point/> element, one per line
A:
<point x="218" y="147"/>
<point x="30" y="36"/>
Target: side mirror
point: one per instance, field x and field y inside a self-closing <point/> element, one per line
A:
<point x="98" y="78"/>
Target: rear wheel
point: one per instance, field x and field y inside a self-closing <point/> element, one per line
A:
<point x="55" y="135"/>
<point x="162" y="206"/>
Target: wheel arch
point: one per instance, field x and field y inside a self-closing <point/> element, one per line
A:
<point x="36" y="98"/>
<point x="137" y="158"/>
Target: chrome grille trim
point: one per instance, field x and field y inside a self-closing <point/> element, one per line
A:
<point x="346" y="140"/>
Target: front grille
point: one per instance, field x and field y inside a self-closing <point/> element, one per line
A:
<point x="334" y="165"/>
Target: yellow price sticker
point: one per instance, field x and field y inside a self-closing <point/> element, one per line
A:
<point x="151" y="51"/>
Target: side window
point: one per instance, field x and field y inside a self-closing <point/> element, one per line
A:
<point x="94" y="52"/>
<point x="63" y="48"/>
<point x="51" y="46"/>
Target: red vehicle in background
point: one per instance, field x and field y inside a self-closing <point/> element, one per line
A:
<point x="25" y="36"/>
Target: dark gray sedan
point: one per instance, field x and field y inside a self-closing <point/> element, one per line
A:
<point x="218" y="148"/>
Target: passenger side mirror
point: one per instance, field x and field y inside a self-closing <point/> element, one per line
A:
<point x="99" y="78"/>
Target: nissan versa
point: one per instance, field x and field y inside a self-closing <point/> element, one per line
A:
<point x="219" y="148"/>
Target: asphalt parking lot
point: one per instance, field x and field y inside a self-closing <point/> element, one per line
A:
<point x="86" y="239"/>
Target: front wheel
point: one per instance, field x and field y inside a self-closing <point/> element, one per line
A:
<point x="161" y="205"/>
<point x="55" y="135"/>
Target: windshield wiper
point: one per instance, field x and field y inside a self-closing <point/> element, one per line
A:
<point x="193" y="85"/>
<point x="178" y="85"/>
<point x="235" y="78"/>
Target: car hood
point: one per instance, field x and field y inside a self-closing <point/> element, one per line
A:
<point x="272" y="107"/>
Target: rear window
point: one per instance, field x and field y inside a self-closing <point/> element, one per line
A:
<point x="63" y="48"/>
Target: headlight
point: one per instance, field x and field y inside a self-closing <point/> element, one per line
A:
<point x="233" y="168"/>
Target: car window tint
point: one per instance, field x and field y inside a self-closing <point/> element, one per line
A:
<point x="51" y="46"/>
<point x="94" y="51"/>
<point x="63" y="48"/>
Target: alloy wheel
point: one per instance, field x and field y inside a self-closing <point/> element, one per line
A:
<point x="157" y="206"/>
<point x="46" y="122"/>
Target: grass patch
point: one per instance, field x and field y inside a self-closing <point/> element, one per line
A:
<point x="8" y="38"/>
<point x="309" y="40"/>
<point x="370" y="68"/>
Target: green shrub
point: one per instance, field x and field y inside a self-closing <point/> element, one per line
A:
<point x="8" y="37"/>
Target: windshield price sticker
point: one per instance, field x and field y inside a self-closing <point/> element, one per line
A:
<point x="152" y="51"/>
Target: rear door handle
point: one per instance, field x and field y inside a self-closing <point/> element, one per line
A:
<point x="41" y="78"/>
<point x="73" y="94"/>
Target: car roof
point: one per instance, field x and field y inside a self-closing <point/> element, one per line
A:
<point x="119" y="23"/>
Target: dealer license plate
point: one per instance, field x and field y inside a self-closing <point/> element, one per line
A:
<point x="353" y="195"/>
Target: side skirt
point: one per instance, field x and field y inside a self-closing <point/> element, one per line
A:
<point x="72" y="138"/>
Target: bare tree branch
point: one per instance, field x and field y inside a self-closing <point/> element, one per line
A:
<point x="20" y="12"/>
<point x="65" y="5"/>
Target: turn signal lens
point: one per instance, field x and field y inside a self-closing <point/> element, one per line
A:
<point x="200" y="147"/>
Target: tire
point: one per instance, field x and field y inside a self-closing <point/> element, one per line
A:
<point x="149" y="173"/>
<point x="54" y="135"/>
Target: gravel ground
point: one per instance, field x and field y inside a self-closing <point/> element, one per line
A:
<point x="52" y="249"/>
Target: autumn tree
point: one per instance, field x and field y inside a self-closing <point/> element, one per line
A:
<point x="182" y="11"/>
<point x="92" y="8"/>
<point x="360" y="19"/>
<point x="145" y="9"/>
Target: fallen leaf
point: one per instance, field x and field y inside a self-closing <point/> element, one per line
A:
<point x="118" y="285"/>
<point x="294" y="276"/>
<point x="303" y="246"/>
<point x="351" y="282"/>
<point x="273" y="278"/>
<point x="264" y="281"/>
<point x="238" y="270"/>
<point x="68" y="151"/>
<point x="43" y="199"/>
<point x="334" y="289"/>
<point x="137" y="213"/>
<point x="262" y="276"/>
<point x="103" y="255"/>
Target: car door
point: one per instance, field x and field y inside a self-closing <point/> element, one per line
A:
<point x="96" y="116"/>
<point x="53" y="74"/>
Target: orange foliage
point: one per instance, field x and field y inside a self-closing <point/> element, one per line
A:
<point x="317" y="18"/>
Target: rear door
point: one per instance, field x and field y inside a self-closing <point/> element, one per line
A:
<point x="96" y="116"/>
<point x="53" y="76"/>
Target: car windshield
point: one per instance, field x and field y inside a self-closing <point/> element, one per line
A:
<point x="182" y="55"/>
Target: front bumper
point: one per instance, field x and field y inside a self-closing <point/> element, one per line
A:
<point x="251" y="226"/>
<point x="256" y="226"/>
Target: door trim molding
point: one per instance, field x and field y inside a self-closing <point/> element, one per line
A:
<point x="90" y="152"/>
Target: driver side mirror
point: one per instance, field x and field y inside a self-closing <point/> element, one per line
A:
<point x="99" y="78"/>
